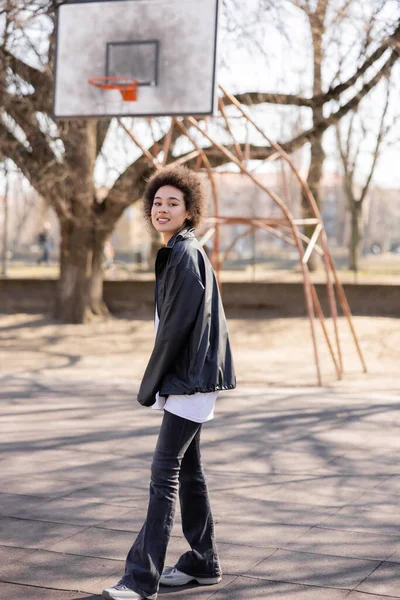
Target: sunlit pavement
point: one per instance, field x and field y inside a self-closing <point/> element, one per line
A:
<point x="304" y="481"/>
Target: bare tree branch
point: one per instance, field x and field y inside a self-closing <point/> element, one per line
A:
<point x="334" y="93"/>
<point x="103" y="126"/>
<point x="21" y="111"/>
<point x="38" y="79"/>
<point x="250" y="98"/>
<point x="25" y="160"/>
<point x="378" y="143"/>
<point x="348" y="178"/>
<point x="129" y="186"/>
<point x="323" y="125"/>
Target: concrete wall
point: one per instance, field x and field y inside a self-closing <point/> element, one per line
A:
<point x="274" y="299"/>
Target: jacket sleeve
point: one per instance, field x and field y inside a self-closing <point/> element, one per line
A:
<point x="182" y="300"/>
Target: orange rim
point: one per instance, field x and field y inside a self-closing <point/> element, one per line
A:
<point x="126" y="85"/>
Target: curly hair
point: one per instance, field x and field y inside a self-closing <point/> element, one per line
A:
<point x="184" y="180"/>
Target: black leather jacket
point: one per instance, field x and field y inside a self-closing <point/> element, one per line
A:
<point x="191" y="351"/>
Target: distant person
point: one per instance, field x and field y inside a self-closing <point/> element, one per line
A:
<point x="44" y="243"/>
<point x="190" y="363"/>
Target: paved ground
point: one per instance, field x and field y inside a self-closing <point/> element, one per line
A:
<point x="305" y="481"/>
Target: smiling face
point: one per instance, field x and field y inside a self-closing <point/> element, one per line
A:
<point x="169" y="213"/>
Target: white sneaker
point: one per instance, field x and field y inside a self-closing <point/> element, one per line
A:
<point x="120" y="592"/>
<point x="172" y="576"/>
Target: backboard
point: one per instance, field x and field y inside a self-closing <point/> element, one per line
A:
<point x="168" y="46"/>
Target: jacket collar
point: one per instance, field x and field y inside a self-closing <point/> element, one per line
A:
<point x="165" y="251"/>
<point x="183" y="234"/>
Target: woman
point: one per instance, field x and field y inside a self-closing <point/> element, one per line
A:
<point x="190" y="363"/>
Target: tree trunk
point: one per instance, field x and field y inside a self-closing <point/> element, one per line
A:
<point x="317" y="30"/>
<point x="314" y="182"/>
<point x="72" y="305"/>
<point x="97" y="304"/>
<point x="355" y="238"/>
<point x="80" y="287"/>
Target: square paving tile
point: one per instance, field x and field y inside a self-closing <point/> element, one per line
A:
<point x="360" y="434"/>
<point x="238" y="508"/>
<point x="378" y="500"/>
<point x="40" y="486"/>
<point x="361" y="596"/>
<point x="395" y="558"/>
<point x="97" y="542"/>
<point x="355" y="519"/>
<point x="243" y="588"/>
<point x="60" y="571"/>
<point x="391" y="485"/>
<point x="332" y="481"/>
<point x="118" y="475"/>
<point x="385" y="580"/>
<point x="363" y="482"/>
<point x="74" y="511"/>
<point x="43" y="463"/>
<point x="229" y="482"/>
<point x="10" y="555"/>
<point x="128" y="521"/>
<point x="113" y="494"/>
<point x="314" y="569"/>
<point x="235" y="559"/>
<point x="23" y="533"/>
<point x="12" y="591"/>
<point x="254" y="533"/>
<point x="256" y="494"/>
<point x="284" y="513"/>
<point x="346" y="543"/>
<point x="299" y="459"/>
<point x="321" y="492"/>
<point x="11" y="504"/>
<point x="366" y="466"/>
<point x="109" y="472"/>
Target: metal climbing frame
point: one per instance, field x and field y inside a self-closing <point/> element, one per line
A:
<point x="286" y="227"/>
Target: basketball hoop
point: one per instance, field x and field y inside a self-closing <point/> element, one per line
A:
<point x="126" y="85"/>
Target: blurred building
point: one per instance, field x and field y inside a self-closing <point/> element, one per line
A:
<point x="131" y="237"/>
<point x="27" y="215"/>
<point x="382" y="222"/>
<point x="237" y="196"/>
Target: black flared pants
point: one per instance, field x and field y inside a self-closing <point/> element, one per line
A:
<point x="176" y="469"/>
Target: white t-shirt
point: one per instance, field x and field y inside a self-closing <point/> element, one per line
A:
<point x="197" y="407"/>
